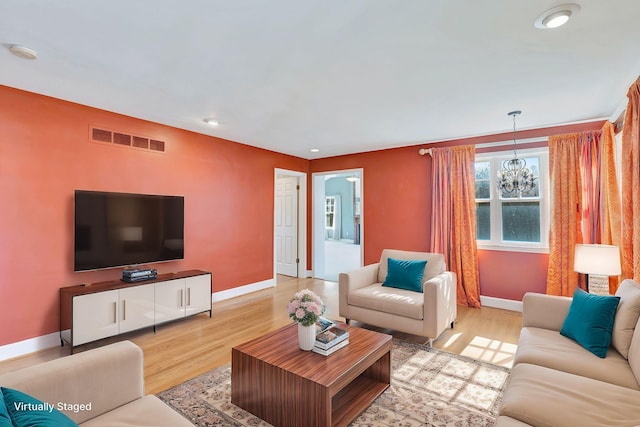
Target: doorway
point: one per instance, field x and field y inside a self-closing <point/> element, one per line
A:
<point x="289" y="251"/>
<point x="337" y="222"/>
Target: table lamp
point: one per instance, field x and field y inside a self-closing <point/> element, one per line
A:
<point x="598" y="262"/>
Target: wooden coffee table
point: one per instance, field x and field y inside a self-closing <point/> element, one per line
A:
<point x="285" y="386"/>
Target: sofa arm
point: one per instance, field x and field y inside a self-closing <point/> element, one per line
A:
<point x="544" y="311"/>
<point x="356" y="279"/>
<point x="440" y="303"/>
<point x="106" y="377"/>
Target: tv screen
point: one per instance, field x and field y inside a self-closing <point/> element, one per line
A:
<point x="120" y="229"/>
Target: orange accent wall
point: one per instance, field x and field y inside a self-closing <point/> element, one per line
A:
<point x="45" y="155"/>
<point x="509" y="275"/>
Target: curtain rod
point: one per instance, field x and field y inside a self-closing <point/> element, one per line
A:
<point x="423" y="151"/>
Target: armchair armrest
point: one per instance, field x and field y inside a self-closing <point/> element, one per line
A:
<point x="544" y="311"/>
<point x="440" y="303"/>
<point x="356" y="279"/>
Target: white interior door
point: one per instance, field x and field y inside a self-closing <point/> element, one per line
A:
<point x="286" y="226"/>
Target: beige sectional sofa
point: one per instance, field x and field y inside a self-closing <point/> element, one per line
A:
<point x="556" y="382"/>
<point x="109" y="378"/>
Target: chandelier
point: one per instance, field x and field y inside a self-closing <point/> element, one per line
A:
<point x="515" y="177"/>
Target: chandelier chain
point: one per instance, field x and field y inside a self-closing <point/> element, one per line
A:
<point x="513" y="114"/>
<point x="514" y="136"/>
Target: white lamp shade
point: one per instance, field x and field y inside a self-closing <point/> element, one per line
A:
<point x="602" y="260"/>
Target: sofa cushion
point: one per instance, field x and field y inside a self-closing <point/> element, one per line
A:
<point x="626" y="316"/>
<point x="509" y="422"/>
<point x="394" y="301"/>
<point x="27" y="411"/>
<point x="5" y="420"/>
<point x="590" y="321"/>
<point x="405" y="274"/>
<point x="634" y="353"/>
<point x="435" y="264"/>
<point x="544" y="347"/>
<point x="148" y="411"/>
<point x="541" y="396"/>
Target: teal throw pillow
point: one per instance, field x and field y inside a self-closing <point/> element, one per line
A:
<point x="27" y="411"/>
<point x="590" y="321"/>
<point x="5" y="419"/>
<point x="405" y="274"/>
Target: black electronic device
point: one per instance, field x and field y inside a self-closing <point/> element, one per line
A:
<point x="137" y="275"/>
<point x="121" y="229"/>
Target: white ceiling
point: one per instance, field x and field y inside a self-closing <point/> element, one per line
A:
<point x="343" y="76"/>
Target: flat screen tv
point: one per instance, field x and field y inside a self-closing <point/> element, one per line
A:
<point x="121" y="229"/>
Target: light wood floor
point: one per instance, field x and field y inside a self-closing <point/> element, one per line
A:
<point x="184" y="349"/>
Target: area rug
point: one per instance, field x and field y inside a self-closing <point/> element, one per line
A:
<point x="429" y="387"/>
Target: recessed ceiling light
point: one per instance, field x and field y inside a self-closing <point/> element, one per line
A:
<point x="559" y="15"/>
<point x="315" y="150"/>
<point x="211" y="122"/>
<point x="23" y="52"/>
<point x="557" y="19"/>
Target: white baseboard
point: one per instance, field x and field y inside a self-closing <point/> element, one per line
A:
<point x="505" y="304"/>
<point x="29" y="346"/>
<point x="241" y="290"/>
<point x="308" y="273"/>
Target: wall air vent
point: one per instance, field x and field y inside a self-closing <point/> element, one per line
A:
<point x="157" y="145"/>
<point x="123" y="139"/>
<point x="101" y="135"/>
<point x="140" y="142"/>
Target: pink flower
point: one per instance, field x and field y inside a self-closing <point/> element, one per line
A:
<point x="293" y="306"/>
<point x="315" y="308"/>
<point x="305" y="307"/>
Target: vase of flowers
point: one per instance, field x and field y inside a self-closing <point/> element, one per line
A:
<point x="305" y="308"/>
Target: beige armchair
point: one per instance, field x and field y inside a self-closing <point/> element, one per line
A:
<point x="428" y="314"/>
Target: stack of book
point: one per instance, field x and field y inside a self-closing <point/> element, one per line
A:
<point x="331" y="340"/>
<point x="322" y="324"/>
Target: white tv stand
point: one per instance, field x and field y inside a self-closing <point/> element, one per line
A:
<point x="105" y="309"/>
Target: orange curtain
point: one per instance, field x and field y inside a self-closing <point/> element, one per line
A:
<point x="610" y="217"/>
<point x="566" y="212"/>
<point x="441" y="202"/>
<point x="589" y="144"/>
<point x="453" y="224"/>
<point x="631" y="186"/>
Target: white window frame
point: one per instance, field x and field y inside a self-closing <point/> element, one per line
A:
<point x="330" y="209"/>
<point x="495" y="242"/>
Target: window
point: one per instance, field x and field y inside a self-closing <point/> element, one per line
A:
<point x="512" y="221"/>
<point x="329" y="211"/>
